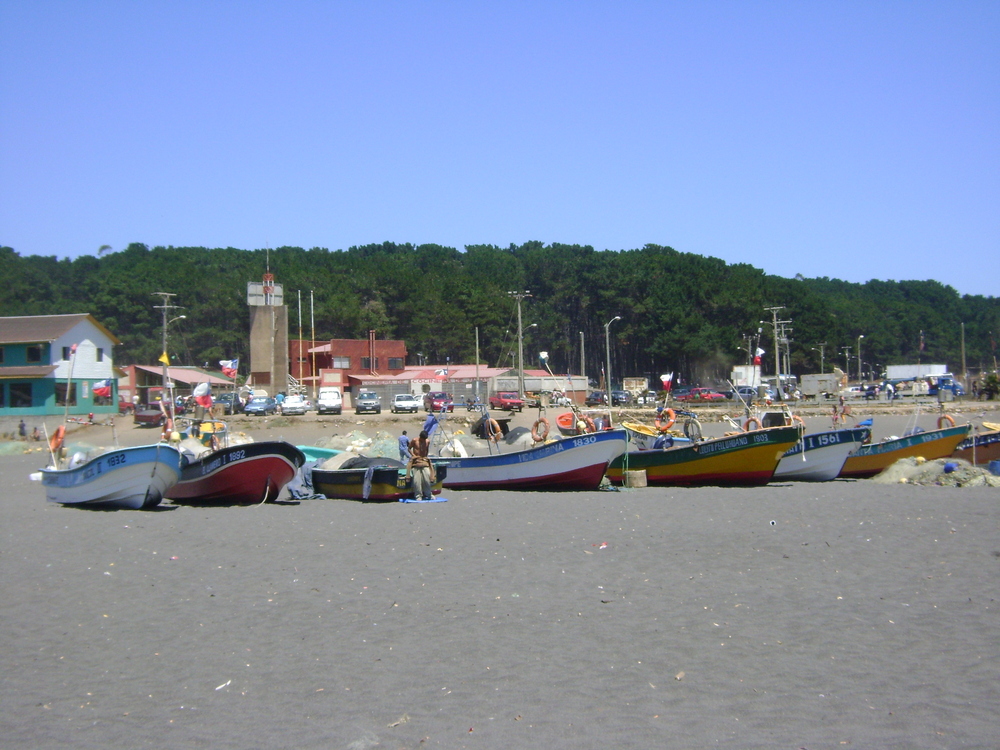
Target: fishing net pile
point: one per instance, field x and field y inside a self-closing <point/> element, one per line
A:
<point x="941" y="472"/>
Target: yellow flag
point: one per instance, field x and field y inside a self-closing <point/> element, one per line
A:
<point x="164" y="358"/>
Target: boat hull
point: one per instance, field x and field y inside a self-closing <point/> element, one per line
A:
<point x="869" y="460"/>
<point x="987" y="448"/>
<point x="573" y="463"/>
<point x="825" y="454"/>
<point x="241" y="474"/>
<point x="130" y="478"/>
<point x="747" y="459"/>
<point x="385" y="484"/>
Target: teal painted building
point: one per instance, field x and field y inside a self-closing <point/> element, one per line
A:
<point x="49" y="360"/>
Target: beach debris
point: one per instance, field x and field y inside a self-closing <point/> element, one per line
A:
<point x="401" y="720"/>
<point x="679" y="676"/>
<point x="224" y="684"/>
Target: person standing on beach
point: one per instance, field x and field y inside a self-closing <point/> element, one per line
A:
<point x="421" y="468"/>
<point x="22" y="430"/>
<point x="404" y="447"/>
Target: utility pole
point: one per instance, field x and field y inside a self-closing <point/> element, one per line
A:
<point x="520" y="340"/>
<point x="847" y="361"/>
<point x="777" y="351"/>
<point x="965" y="377"/>
<point x="167" y="308"/>
<point x="821" y="351"/>
<point x="583" y="369"/>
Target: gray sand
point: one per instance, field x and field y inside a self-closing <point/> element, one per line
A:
<point x="846" y="614"/>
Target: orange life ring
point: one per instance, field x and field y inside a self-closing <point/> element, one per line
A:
<point x="664" y="423"/>
<point x="752" y="421"/>
<point x="945" y="418"/>
<point x="168" y="427"/>
<point x="539" y="435"/>
<point x="591" y="427"/>
<point x="795" y="419"/>
<point x="56" y="441"/>
<point x="493" y="431"/>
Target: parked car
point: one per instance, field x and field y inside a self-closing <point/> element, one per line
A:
<point x="330" y="400"/>
<point x="746" y="392"/>
<point x="226" y="400"/>
<point x="438" y="400"/>
<point x="261" y="406"/>
<point x="596" y="398"/>
<point x="506" y="401"/>
<point x="294" y="405"/>
<point x="367" y="402"/>
<point x="648" y="398"/>
<point x="620" y="398"/>
<point x="404" y="402"/>
<point x="701" y="394"/>
<point x="677" y="393"/>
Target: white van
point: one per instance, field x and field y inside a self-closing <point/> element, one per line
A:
<point x="330" y="401"/>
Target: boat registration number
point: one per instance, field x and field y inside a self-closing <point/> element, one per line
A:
<point x="578" y="442"/>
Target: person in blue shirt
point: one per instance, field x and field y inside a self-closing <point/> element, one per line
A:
<point x="404" y="447"/>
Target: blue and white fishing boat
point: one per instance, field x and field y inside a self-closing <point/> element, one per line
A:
<point x="133" y="478"/>
<point x="819" y="457"/>
<point x="571" y="463"/>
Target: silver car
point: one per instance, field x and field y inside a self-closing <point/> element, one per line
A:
<point x="367" y="402"/>
<point x="404" y="402"/>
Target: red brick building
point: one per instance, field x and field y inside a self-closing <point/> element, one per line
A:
<point x="334" y="362"/>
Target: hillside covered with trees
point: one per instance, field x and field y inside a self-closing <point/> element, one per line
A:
<point x="679" y="312"/>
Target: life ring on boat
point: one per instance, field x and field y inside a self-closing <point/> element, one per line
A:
<point x="168" y="427"/>
<point x="56" y="441"/>
<point x="795" y="420"/>
<point x="945" y="418"/>
<point x="752" y="421"/>
<point x="539" y="435"/>
<point x="493" y="431"/>
<point x="214" y="442"/>
<point x="590" y="426"/>
<point x="665" y="420"/>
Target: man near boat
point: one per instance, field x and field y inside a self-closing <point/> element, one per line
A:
<point x="421" y="468"/>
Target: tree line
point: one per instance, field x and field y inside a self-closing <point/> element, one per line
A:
<point x="679" y="312"/>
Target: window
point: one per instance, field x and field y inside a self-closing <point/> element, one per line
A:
<point x="33" y="353"/>
<point x="366" y="363"/>
<point x="342" y="363"/>
<point x="67" y="353"/>
<point x="100" y="354"/>
<point x="1" y="355"/>
<point x="20" y="394"/>
<point x="395" y="363"/>
<point x="2" y="392"/>
<point x="61" y="394"/>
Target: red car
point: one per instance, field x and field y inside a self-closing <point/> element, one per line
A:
<point x="506" y="401"/>
<point x="438" y="401"/>
<point x="701" y="394"/>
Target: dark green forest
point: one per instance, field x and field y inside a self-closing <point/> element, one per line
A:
<point x="680" y="312"/>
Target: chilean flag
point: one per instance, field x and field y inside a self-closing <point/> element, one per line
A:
<point x="102" y="388"/>
<point x="229" y="367"/>
<point x="203" y="395"/>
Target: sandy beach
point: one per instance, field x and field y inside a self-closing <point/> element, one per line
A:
<point x="844" y="614"/>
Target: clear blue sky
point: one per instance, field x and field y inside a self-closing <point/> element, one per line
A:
<point x="854" y="140"/>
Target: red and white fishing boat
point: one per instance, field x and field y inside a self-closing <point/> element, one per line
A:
<point x="239" y="474"/>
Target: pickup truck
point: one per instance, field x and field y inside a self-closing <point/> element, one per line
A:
<point x="506" y="401"/>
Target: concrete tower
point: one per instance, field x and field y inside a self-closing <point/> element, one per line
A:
<point x="268" y="335"/>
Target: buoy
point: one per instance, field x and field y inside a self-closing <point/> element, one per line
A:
<point x="539" y="435"/>
<point x="56" y="441"/>
<point x="665" y="420"/>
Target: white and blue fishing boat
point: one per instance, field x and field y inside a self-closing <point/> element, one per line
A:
<point x="820" y="456"/>
<point x="571" y="463"/>
<point x="134" y="478"/>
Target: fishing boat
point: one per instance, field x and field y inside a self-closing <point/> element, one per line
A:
<point x="981" y="447"/>
<point x="738" y="459"/>
<point x="569" y="423"/>
<point x="238" y="474"/>
<point x="133" y="478"/>
<point x="819" y="457"/>
<point x="571" y="463"/>
<point x="371" y="479"/>
<point x="869" y="460"/>
<point x="645" y="438"/>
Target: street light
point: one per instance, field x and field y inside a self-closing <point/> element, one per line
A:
<point x="860" y="374"/>
<point x="821" y="350"/>
<point x="607" y="351"/>
<point x="520" y="351"/>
